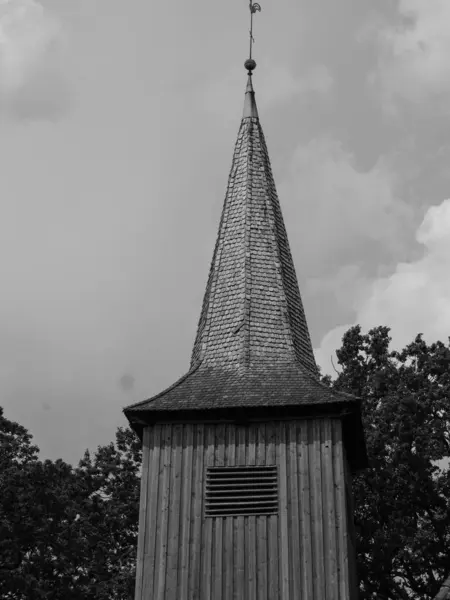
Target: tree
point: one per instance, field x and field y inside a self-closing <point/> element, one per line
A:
<point x="114" y="479"/>
<point x="17" y="459"/>
<point x="65" y="533"/>
<point x="403" y="499"/>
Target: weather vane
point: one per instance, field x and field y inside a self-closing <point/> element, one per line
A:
<point x="254" y="6"/>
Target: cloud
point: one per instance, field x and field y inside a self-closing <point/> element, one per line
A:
<point x="414" y="54"/>
<point x="32" y="82"/>
<point x="341" y="211"/>
<point x="326" y="353"/>
<point x="274" y="85"/>
<point x="280" y="84"/>
<point x="346" y="285"/>
<point x="414" y="298"/>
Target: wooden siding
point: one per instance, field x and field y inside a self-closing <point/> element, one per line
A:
<point x="351" y="529"/>
<point x="303" y="553"/>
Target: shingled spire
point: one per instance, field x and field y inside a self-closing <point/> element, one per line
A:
<point x="252" y="310"/>
<point x="252" y="347"/>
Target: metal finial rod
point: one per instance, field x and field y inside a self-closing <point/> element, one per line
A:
<point x="254" y="6"/>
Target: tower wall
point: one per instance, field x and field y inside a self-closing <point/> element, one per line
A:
<point x="302" y="553"/>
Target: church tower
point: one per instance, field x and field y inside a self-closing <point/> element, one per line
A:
<point x="247" y="459"/>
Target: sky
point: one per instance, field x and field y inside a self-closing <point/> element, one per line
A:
<point x="117" y="127"/>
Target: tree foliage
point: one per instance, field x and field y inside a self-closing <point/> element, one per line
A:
<point x="403" y="499"/>
<point x="67" y="533"/>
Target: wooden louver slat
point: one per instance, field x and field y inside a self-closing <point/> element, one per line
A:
<point x="240" y="491"/>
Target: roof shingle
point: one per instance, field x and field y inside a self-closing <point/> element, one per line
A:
<point x="209" y="387"/>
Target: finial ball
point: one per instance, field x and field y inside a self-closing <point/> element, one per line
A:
<point x="250" y="64"/>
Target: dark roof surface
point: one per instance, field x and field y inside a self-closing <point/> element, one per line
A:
<point x="252" y="346"/>
<point x="208" y="387"/>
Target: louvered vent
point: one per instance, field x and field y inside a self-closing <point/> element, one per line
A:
<point x="237" y="491"/>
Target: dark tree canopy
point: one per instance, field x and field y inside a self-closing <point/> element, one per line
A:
<point x="403" y="499"/>
<point x="69" y="533"/>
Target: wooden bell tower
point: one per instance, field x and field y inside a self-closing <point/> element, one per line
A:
<point x="247" y="459"/>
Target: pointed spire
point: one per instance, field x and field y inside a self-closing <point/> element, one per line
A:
<point x="250" y="109"/>
<point x="252" y="311"/>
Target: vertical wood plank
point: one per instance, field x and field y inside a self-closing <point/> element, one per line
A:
<point x="152" y="517"/>
<point x="284" y="513"/>
<point x="174" y="514"/>
<point x="163" y="514"/>
<point x="239" y="527"/>
<point x="329" y="517"/>
<point x="296" y="566"/>
<point x="250" y="546"/>
<point x="230" y="457"/>
<point x="161" y="560"/>
<point x="339" y="491"/>
<point x="207" y="534"/>
<point x="219" y="522"/>
<point x="317" y="510"/>
<point x="273" y="521"/>
<point x="187" y="470"/>
<point x="261" y="533"/>
<point x="147" y="449"/>
<point x="197" y="508"/>
<point x="350" y="530"/>
<point x="305" y="511"/>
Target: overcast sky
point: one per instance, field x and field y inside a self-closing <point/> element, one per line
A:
<point x="117" y="126"/>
